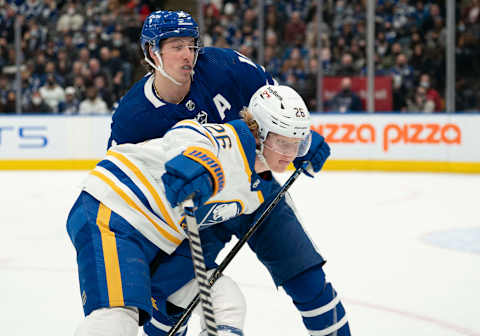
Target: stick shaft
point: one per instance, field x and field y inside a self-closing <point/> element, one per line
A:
<point x="233" y="252"/>
<point x="200" y="269"/>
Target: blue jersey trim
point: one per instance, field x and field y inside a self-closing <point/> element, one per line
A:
<point x="115" y="170"/>
<point x="247" y="140"/>
<point x="196" y="130"/>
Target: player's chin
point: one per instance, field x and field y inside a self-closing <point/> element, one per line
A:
<point x="280" y="166"/>
<point x="184" y="77"/>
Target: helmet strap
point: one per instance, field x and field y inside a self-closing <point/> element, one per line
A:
<point x="261" y="157"/>
<point x="160" y="68"/>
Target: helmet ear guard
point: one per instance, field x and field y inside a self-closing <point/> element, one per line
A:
<point x="281" y="110"/>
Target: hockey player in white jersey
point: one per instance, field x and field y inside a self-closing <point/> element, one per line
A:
<point x="129" y="210"/>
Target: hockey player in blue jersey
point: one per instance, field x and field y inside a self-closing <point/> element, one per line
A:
<point x="128" y="210"/>
<point x="213" y="85"/>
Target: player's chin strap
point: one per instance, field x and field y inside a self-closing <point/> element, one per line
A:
<point x="160" y="68"/>
<point x="261" y="157"/>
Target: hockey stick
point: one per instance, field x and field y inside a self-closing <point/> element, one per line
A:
<point x="199" y="267"/>
<point x="218" y="272"/>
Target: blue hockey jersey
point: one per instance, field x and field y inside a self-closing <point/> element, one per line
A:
<point x="142" y="115"/>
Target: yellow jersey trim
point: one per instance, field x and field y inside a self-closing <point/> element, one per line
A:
<point x="148" y="185"/>
<point x="110" y="257"/>
<point x="132" y="204"/>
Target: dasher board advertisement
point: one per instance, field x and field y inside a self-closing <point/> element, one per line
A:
<point x="392" y="142"/>
<point x="52" y="142"/>
<point x="412" y="142"/>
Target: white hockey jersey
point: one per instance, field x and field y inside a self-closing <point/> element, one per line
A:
<point x="129" y="182"/>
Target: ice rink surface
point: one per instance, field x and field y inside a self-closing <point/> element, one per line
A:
<point x="402" y="249"/>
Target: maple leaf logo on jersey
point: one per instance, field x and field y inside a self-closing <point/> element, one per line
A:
<point x="201" y="117"/>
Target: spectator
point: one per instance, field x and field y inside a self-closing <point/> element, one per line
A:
<point x="420" y="102"/>
<point x="402" y="74"/>
<point x="84" y="55"/>
<point x="52" y="93"/>
<point x="327" y="62"/>
<point x="107" y="63"/>
<point x="49" y="14"/>
<point x="71" y="104"/>
<point x="296" y="64"/>
<point x="97" y="70"/>
<point x="274" y="21"/>
<point x="346" y="100"/>
<point x="63" y="70"/>
<point x="69" y="47"/>
<point x="37" y="105"/>
<point x="76" y="71"/>
<point x="295" y="30"/>
<point x="471" y="12"/>
<point x="35" y="37"/>
<point x="308" y="92"/>
<point x="346" y="68"/>
<point x="432" y="14"/>
<point x="4" y="88"/>
<point x="51" y="70"/>
<point x="71" y="19"/>
<point x="93" y="104"/>
<point x="420" y="61"/>
<point x="466" y="98"/>
<point x="271" y="40"/>
<point x="341" y="12"/>
<point x="10" y="105"/>
<point x="431" y="93"/>
<point x="31" y="8"/>
<point x="390" y="58"/>
<point x="381" y="44"/>
<point x="80" y="88"/>
<point x="27" y="87"/>
<point x="93" y="44"/>
<point x="118" y="87"/>
<point x="103" y="89"/>
<point x="311" y="33"/>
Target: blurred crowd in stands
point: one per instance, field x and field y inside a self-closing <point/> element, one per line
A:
<point x="80" y="57"/>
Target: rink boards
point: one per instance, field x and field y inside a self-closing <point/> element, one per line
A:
<point x="388" y="142"/>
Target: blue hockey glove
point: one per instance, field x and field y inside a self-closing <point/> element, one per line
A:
<point x="196" y="171"/>
<point x="317" y="155"/>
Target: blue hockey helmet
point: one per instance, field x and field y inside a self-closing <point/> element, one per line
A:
<point x="163" y="24"/>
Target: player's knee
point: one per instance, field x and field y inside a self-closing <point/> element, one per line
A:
<point x="229" y="307"/>
<point x="228" y="302"/>
<point x="319" y="304"/>
<point x="120" y="321"/>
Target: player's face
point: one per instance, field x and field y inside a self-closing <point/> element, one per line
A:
<point x="178" y="54"/>
<point x="279" y="151"/>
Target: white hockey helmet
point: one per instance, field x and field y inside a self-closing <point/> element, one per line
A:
<point x="281" y="110"/>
